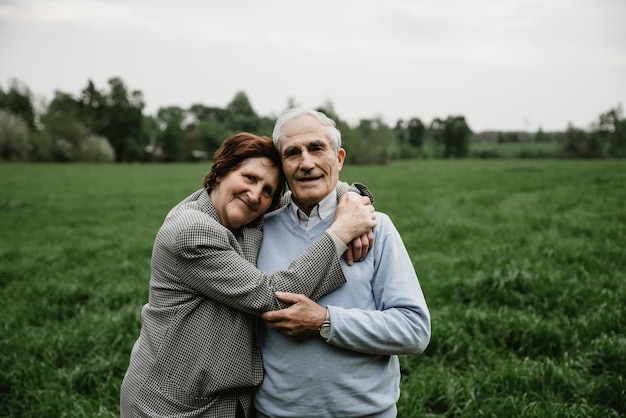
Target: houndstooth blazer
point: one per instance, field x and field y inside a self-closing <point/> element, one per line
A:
<point x="197" y="354"/>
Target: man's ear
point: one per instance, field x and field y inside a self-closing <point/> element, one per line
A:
<point x="341" y="156"/>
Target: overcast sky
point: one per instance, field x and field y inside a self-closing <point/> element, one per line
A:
<point x="503" y="64"/>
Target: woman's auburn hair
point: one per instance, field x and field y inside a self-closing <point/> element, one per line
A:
<point x="238" y="148"/>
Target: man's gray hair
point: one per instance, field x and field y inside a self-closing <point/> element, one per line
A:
<point x="333" y="133"/>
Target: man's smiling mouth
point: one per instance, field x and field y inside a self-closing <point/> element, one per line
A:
<point x="308" y="179"/>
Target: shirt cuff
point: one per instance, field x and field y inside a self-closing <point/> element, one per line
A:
<point x="339" y="245"/>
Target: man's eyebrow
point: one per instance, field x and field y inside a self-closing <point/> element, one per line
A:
<point x="317" y="144"/>
<point x="290" y="150"/>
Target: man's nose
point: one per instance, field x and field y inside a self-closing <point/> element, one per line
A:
<point x="306" y="163"/>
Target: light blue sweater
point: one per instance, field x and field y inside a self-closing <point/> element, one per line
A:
<point x="379" y="313"/>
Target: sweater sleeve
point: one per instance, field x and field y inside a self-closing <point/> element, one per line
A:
<point x="400" y="322"/>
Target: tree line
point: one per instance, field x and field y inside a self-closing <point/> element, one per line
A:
<point x="110" y="125"/>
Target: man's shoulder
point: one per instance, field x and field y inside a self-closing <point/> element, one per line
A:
<point x="384" y="224"/>
<point x="382" y="216"/>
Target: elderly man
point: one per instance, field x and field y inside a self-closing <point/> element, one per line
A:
<point x="336" y="357"/>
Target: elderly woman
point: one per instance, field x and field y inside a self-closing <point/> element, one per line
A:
<point x="197" y="355"/>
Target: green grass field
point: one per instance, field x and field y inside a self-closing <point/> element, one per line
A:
<point x="522" y="263"/>
<point x="515" y="150"/>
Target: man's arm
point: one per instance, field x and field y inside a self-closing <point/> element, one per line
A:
<point x="400" y="324"/>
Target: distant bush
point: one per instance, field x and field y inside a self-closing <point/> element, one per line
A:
<point x="486" y="154"/>
<point x="14" y="138"/>
<point x="95" y="149"/>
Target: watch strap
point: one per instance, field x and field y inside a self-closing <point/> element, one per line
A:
<point x="324" y="330"/>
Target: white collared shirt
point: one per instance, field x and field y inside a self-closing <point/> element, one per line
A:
<point x="326" y="207"/>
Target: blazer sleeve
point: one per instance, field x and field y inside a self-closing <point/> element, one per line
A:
<point x="208" y="262"/>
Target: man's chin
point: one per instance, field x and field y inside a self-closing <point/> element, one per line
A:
<point x="308" y="193"/>
<point x="304" y="189"/>
<point x="308" y="185"/>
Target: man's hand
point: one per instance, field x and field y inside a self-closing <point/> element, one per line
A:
<point x="302" y="317"/>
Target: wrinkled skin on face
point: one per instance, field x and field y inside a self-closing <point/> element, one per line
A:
<point x="245" y="193"/>
<point x="310" y="164"/>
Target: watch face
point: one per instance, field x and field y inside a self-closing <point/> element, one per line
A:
<point x="325" y="331"/>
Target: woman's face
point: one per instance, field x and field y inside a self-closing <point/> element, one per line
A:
<point x="246" y="193"/>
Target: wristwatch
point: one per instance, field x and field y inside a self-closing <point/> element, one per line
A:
<point x="324" y="330"/>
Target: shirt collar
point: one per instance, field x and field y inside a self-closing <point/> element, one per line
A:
<point x="322" y="210"/>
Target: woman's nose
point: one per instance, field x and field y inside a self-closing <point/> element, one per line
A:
<point x="254" y="194"/>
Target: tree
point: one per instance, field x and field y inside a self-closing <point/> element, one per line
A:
<point x="92" y="104"/>
<point x="410" y="136"/>
<point x="415" y="132"/>
<point x="115" y="115"/>
<point x="575" y="142"/>
<point x="208" y="125"/>
<point x="122" y="121"/>
<point x="63" y="129"/>
<point x="19" y="101"/>
<point x="375" y="139"/>
<point x="612" y="128"/>
<point x="454" y="134"/>
<point x="540" y="136"/>
<point x="170" y="135"/>
<point x="241" y="115"/>
<point x="399" y="131"/>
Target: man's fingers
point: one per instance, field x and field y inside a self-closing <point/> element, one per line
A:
<point x="288" y="297"/>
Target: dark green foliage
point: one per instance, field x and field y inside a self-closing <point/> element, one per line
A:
<point x="115" y="116"/>
<point x="18" y="100"/>
<point x="121" y="121"/>
<point x="452" y="136"/>
<point x="109" y="125"/>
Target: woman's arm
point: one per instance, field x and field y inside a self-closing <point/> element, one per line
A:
<point x="208" y="262"/>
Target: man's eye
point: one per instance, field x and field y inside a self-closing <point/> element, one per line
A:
<point x="290" y="152"/>
<point x="316" y="147"/>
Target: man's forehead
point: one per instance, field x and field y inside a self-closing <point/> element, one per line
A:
<point x="304" y="141"/>
<point x="302" y="125"/>
<point x="305" y="128"/>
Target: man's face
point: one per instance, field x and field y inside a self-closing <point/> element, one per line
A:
<point x="309" y="161"/>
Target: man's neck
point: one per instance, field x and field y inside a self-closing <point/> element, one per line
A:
<point x="305" y="208"/>
<point x="308" y="207"/>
